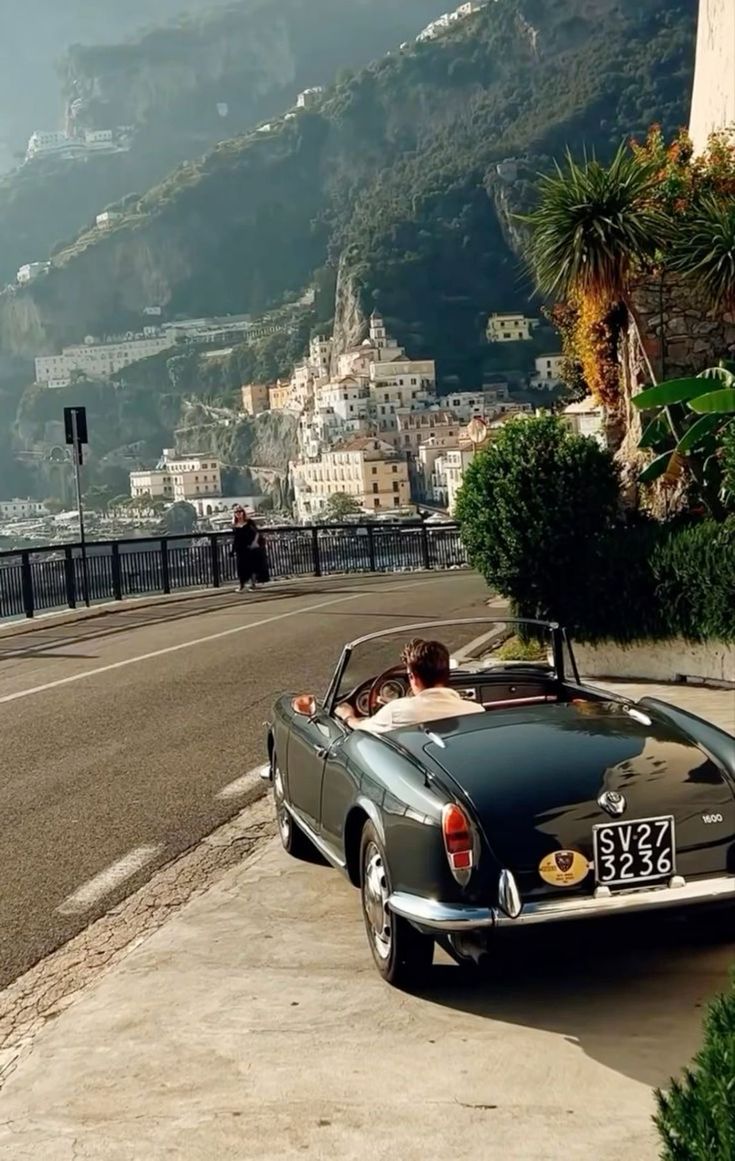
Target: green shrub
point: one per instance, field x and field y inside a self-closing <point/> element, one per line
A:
<point x="538" y="517"/>
<point x="696" y="1117"/>
<point x="654" y="581"/>
<point x="533" y="506"/>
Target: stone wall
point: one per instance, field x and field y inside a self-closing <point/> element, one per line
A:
<point x="669" y="661"/>
<point x="677" y="336"/>
<point x="668" y="337"/>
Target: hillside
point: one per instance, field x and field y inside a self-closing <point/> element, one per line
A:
<point x="34" y="36"/>
<point x="393" y="177"/>
<point x="182" y="87"/>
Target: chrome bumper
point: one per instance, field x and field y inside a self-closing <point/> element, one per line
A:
<point x="457" y="917"/>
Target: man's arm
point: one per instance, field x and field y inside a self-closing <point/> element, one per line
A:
<point x="379" y="723"/>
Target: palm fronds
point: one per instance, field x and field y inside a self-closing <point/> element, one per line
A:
<point x="703" y="252"/>
<point x="594" y="226"/>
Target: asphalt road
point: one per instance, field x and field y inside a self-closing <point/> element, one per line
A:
<point x="120" y="733"/>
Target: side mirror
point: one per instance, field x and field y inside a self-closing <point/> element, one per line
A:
<point x="304" y="705"/>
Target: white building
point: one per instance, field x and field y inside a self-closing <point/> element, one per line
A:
<point x="233" y="328"/>
<point x="510" y="328"/>
<point x="31" y="271"/>
<point x="365" y="468"/>
<point x="348" y="399"/>
<point x="99" y="139"/>
<point x="309" y="97"/>
<point x="586" y="417"/>
<point x="320" y="355"/>
<point x="468" y="404"/>
<point x="21" y="509"/>
<point x="223" y="505"/>
<point x="442" y="23"/>
<point x="47" y="141"/>
<point x="108" y="219"/>
<point x="100" y="360"/>
<point x="548" y="372"/>
<point x="179" y="477"/>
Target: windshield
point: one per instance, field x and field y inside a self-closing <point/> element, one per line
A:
<point x="475" y="646"/>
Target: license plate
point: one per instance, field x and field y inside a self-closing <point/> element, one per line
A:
<point x="627" y="853"/>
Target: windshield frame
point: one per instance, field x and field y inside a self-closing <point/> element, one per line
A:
<point x="559" y="640"/>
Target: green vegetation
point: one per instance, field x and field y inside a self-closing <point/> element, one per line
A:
<point x="527" y="504"/>
<point x="167" y="82"/>
<point x="180" y="519"/>
<point x="688" y="421"/>
<point x="340" y="505"/>
<point x="516" y="649"/>
<point x="654" y="211"/>
<point x="395" y="174"/>
<point x="696" y="1117"/>
<point x="539" y="516"/>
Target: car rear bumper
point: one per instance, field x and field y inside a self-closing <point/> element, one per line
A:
<point x="457" y="917"/>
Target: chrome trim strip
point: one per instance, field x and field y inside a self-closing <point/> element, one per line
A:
<point x="320" y="845"/>
<point x="436" y="916"/>
<point x="440" y="916"/>
<point x="645" y="899"/>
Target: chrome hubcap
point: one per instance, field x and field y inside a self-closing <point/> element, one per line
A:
<point x="282" y="815"/>
<point x="375" y="901"/>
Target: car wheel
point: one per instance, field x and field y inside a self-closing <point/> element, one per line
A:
<point x="402" y="954"/>
<point x="293" y="839"/>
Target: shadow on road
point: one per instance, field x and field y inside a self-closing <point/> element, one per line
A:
<point x="123" y="620"/>
<point x="630" y="994"/>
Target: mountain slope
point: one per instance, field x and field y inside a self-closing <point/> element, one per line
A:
<point x="183" y="87"/>
<point x="34" y="36"/>
<point x="394" y="176"/>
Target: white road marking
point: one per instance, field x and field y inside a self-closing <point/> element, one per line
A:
<point x="241" y="785"/>
<point x="95" y="889"/>
<point x="8" y="697"/>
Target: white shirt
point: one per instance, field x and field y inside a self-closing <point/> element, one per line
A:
<point x="430" y="705"/>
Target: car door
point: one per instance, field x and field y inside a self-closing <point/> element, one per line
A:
<point x="309" y="744"/>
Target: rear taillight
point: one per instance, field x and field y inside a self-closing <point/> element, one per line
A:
<point x="459" y="842"/>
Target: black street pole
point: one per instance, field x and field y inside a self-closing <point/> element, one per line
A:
<point x="77" y="453"/>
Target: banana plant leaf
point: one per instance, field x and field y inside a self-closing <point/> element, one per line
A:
<point x="724" y="371"/>
<point x="657" y="433"/>
<point x="715" y="402"/>
<point x="656" y="468"/>
<point x="666" y="394"/>
<point x="696" y="436"/>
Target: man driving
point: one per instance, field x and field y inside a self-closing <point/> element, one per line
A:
<point x="427" y="668"/>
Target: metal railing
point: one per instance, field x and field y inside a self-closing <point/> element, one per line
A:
<point x="42" y="579"/>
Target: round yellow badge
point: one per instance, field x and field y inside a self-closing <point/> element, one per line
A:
<point x="564" y="868"/>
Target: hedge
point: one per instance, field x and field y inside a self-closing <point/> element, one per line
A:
<point x="655" y="581"/>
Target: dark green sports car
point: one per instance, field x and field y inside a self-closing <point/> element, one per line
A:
<point x="559" y="802"/>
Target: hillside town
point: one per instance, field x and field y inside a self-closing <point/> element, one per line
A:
<point x="376" y="437"/>
<point x="373" y="427"/>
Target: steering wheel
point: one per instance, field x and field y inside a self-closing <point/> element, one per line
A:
<point x="380" y="680"/>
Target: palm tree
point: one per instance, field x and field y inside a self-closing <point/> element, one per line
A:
<point x="595" y="227"/>
<point x="703" y="250"/>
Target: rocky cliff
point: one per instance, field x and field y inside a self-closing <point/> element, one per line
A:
<point x="390" y="173"/>
<point x="181" y="88"/>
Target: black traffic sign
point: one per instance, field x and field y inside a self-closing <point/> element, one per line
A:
<point x="81" y="414"/>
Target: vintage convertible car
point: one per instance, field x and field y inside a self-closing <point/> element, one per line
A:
<point x="559" y="802"/>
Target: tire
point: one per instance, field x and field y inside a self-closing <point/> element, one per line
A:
<point x="293" y="839"/>
<point x="402" y="955"/>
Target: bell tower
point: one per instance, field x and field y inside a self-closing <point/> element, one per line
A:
<point x="713" y="103"/>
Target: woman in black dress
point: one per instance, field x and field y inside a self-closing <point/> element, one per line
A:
<point x="244" y="548"/>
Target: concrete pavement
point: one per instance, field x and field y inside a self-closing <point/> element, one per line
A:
<point x="126" y="736"/>
<point x="253" y="1025"/>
